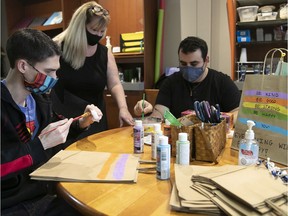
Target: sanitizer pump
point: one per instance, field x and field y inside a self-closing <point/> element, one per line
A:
<point x="108" y="43"/>
<point x="249" y="147"/>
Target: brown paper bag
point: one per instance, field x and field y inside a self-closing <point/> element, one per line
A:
<point x="264" y="100"/>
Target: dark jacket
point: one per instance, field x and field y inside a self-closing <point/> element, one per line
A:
<point x="19" y="154"/>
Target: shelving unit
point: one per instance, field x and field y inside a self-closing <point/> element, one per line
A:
<point x="19" y="10"/>
<point x="256" y="50"/>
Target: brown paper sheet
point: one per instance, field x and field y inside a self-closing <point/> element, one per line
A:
<point x="88" y="166"/>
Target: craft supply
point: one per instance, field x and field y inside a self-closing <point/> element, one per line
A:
<point x="171" y="118"/>
<point x="183" y="149"/>
<point x="163" y="159"/>
<point x="138" y="136"/>
<point x="207" y="113"/>
<point x="74" y="119"/>
<point x="155" y="140"/>
<point x="167" y="131"/>
<point x="248" y="147"/>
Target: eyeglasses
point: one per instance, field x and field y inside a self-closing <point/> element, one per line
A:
<point x="99" y="11"/>
<point x="33" y="67"/>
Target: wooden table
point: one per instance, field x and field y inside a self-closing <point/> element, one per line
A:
<point x="149" y="196"/>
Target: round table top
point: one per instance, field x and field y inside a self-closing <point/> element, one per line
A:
<point x="148" y="196"/>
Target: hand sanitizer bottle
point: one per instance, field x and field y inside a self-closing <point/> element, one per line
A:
<point x="249" y="147"/>
<point x="108" y="43"/>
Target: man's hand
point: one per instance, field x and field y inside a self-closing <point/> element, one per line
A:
<point x="138" y="108"/>
<point x="55" y="133"/>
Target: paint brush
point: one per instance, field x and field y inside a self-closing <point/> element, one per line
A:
<point x="74" y="119"/>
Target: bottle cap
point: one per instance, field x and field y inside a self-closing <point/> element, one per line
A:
<point x="249" y="134"/>
<point x="157" y="127"/>
<point x="182" y="136"/>
<point x="163" y="140"/>
<point x="138" y="122"/>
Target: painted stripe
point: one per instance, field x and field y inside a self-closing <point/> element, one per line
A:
<point x="16" y="165"/>
<point x="265" y="126"/>
<point x="270" y="107"/>
<point x="264" y="100"/>
<point x="266" y="94"/>
<point x="264" y="114"/>
<point x="106" y="167"/>
<point x="119" y="169"/>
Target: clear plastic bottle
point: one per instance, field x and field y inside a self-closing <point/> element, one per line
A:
<point x="108" y="43"/>
<point x="248" y="147"/>
<point x="163" y="159"/>
<point x="138" y="136"/>
<point x="155" y="140"/>
<point x="183" y="149"/>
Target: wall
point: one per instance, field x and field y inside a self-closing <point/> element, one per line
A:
<point x="203" y="18"/>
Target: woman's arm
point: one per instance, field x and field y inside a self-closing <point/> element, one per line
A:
<point x="115" y="87"/>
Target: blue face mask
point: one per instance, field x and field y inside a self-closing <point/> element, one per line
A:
<point x="191" y="74"/>
<point x="41" y="84"/>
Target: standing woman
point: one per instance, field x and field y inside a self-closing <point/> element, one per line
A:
<point x="86" y="67"/>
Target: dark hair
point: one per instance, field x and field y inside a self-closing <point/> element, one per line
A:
<point x="191" y="44"/>
<point x="32" y="45"/>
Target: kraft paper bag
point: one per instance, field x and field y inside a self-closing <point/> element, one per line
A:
<point x="88" y="166"/>
<point x="264" y="100"/>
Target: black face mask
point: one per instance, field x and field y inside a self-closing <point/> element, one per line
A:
<point x="92" y="39"/>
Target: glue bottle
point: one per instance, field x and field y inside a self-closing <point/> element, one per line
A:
<point x="183" y="149"/>
<point x="155" y="140"/>
<point x="167" y="130"/>
<point x="108" y="43"/>
<point x="248" y="147"/>
<point x="138" y="136"/>
<point x="163" y="159"/>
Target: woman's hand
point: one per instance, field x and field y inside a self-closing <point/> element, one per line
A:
<point x="95" y="115"/>
<point x="55" y="133"/>
<point x="138" y="108"/>
<point x="125" y="116"/>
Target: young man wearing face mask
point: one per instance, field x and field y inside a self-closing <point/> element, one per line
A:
<point x="194" y="82"/>
<point x="31" y="133"/>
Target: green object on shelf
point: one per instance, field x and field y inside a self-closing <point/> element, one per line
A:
<point x="171" y="118"/>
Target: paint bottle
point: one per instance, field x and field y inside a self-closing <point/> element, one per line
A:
<point x="138" y="135"/>
<point x="163" y="159"/>
<point x="248" y="147"/>
<point x="155" y="140"/>
<point x="183" y="149"/>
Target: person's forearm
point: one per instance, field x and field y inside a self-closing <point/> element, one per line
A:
<point x="118" y="94"/>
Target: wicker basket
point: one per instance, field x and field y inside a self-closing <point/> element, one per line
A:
<point x="184" y="129"/>
<point x="205" y="144"/>
<point x="209" y="141"/>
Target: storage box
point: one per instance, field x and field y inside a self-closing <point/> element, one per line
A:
<point x="243" y="36"/>
<point x="247" y="13"/>
<point x="263" y="17"/>
<point x="132" y="42"/>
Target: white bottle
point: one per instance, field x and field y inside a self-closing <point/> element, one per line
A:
<point x="183" y="149"/>
<point x="138" y="136"/>
<point x="108" y="43"/>
<point x="163" y="159"/>
<point x="248" y="147"/>
<point x="155" y="140"/>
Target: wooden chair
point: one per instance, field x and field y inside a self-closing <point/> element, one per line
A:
<point x="151" y="95"/>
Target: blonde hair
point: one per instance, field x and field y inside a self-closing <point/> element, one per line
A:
<point x="74" y="37"/>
